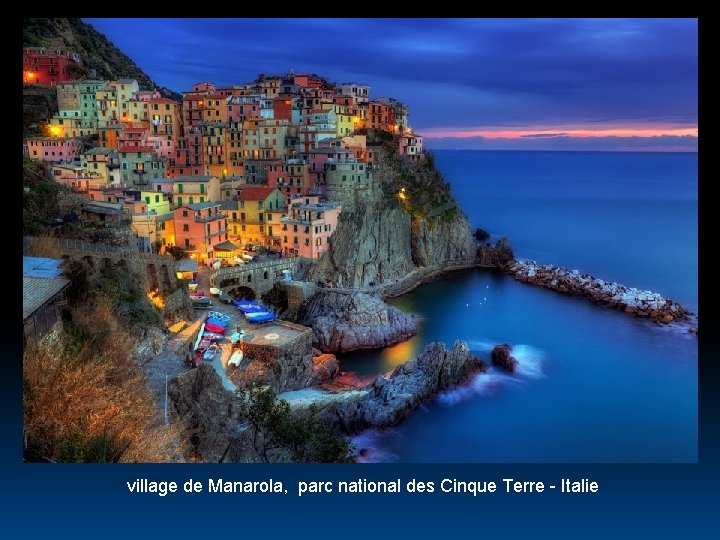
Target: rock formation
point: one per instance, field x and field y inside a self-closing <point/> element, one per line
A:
<point x="481" y="235"/>
<point x="343" y="322"/>
<point x="500" y="356"/>
<point x="392" y="397"/>
<point x="498" y="255"/>
<point x="379" y="239"/>
<point x="210" y="413"/>
<point x="283" y="368"/>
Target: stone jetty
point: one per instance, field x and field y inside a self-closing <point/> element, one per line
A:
<point x="613" y="295"/>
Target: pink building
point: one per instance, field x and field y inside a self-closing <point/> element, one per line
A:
<point x="134" y="136"/>
<point x="199" y="227"/>
<point x="54" y="149"/>
<point x="411" y="146"/>
<point x="307" y="229"/>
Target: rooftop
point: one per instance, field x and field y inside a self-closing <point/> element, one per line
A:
<point x="256" y="193"/>
<point x="202" y="205"/>
<point x="41" y="267"/>
<point x="39" y="290"/>
<point x="192" y="178"/>
<point x="143" y="149"/>
<point x="100" y="150"/>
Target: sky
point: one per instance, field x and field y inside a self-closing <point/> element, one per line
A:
<point x="510" y="84"/>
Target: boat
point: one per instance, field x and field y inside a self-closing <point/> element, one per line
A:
<point x="192" y="286"/>
<point x="215" y="328"/>
<point x="214" y="291"/>
<point x="201" y="302"/>
<point x="211" y="351"/>
<point x="197" y="294"/>
<point x="260" y="317"/>
<point x="245" y="303"/>
<point x="235" y="359"/>
<point x="217" y="322"/>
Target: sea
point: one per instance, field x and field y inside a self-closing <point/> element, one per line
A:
<point x="593" y="384"/>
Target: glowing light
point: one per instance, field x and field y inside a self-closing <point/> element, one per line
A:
<point x="156" y="298"/>
<point x="55" y="130"/>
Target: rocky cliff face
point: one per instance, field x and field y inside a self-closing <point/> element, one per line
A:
<point x="381" y="238"/>
<point x="499" y="255"/>
<point x="211" y="414"/>
<point x="392" y="397"/>
<point x="285" y="368"/>
<point x="344" y="322"/>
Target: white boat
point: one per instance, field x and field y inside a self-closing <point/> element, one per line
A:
<point x="214" y="291"/>
<point x="235" y="359"/>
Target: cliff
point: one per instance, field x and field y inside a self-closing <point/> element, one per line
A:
<point x="405" y="219"/>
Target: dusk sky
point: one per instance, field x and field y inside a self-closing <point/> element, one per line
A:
<point x="571" y="84"/>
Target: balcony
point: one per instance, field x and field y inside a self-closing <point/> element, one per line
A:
<point x="211" y="217"/>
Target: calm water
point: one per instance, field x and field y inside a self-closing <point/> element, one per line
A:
<point x="594" y="385"/>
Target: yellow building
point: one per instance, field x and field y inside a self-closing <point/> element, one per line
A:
<point x="102" y="161"/>
<point x="156" y="202"/>
<point x="256" y="219"/>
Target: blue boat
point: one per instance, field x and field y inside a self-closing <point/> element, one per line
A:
<point x="217" y="322"/>
<point x="245" y="303"/>
<point x="260" y="317"/>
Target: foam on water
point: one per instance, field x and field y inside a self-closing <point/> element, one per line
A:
<point x="368" y="442"/>
<point x="530" y="361"/>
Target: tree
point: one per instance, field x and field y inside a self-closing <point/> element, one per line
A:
<point x="279" y="434"/>
<point x="176" y="252"/>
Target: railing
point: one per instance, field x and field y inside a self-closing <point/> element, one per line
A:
<point x="211" y="217"/>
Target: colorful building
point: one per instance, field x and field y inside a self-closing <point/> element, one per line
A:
<point x="53" y="149"/>
<point x="253" y="221"/>
<point x="308" y="226"/>
<point x="199" y="227"/>
<point x="140" y="164"/>
<point x="196" y="189"/>
<point x="46" y="66"/>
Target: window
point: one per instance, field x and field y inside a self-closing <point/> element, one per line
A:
<point x="190" y="200"/>
<point x="269" y="217"/>
<point x="187" y="242"/>
<point x="125" y="166"/>
<point x="318" y="241"/>
<point x="179" y="203"/>
<point x="285" y="239"/>
<point x="295" y="240"/>
<point x="242" y="204"/>
<point x="260" y="204"/>
<point x="242" y="216"/>
<point x="202" y="199"/>
<point x="147" y="200"/>
<point x="202" y="188"/>
<point x="157" y="198"/>
<point x="186" y="227"/>
<point x="307" y="241"/>
<point x="294" y="228"/>
<point x="234" y="216"/>
<point x="262" y="229"/>
<point x="180" y="188"/>
<point x="185" y="213"/>
<point x="242" y="228"/>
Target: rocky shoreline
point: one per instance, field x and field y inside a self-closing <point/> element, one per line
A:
<point x="645" y="304"/>
<point x="392" y="397"/>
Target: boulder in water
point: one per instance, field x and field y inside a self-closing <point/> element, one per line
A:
<point x="501" y="357"/>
